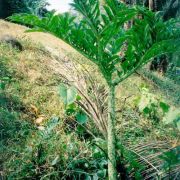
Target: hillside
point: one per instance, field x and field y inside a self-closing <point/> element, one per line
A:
<point x="30" y="100"/>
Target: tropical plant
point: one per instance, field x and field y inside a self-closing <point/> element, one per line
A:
<point x="99" y="36"/>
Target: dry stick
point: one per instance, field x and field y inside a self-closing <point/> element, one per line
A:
<point x="84" y="107"/>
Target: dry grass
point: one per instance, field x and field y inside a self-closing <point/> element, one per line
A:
<point x="33" y="81"/>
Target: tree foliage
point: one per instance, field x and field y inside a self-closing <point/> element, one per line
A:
<point x="9" y="7"/>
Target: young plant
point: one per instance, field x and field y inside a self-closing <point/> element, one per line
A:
<point x="98" y="34"/>
<point x="69" y="96"/>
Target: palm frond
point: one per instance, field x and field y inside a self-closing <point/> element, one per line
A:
<point x="154" y="160"/>
<point x="93" y="94"/>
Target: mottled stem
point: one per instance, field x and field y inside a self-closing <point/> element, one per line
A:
<point x="112" y="173"/>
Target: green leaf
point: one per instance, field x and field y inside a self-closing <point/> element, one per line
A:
<point x="78" y="98"/>
<point x="2" y="85"/>
<point x="81" y="118"/>
<point x="146" y="110"/>
<point x="162" y="47"/>
<point x="67" y="94"/>
<point x="71" y="109"/>
<point x="165" y="107"/>
<point x="80" y="130"/>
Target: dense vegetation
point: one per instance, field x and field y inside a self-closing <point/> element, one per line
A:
<point x="69" y="146"/>
<point x="9" y="7"/>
